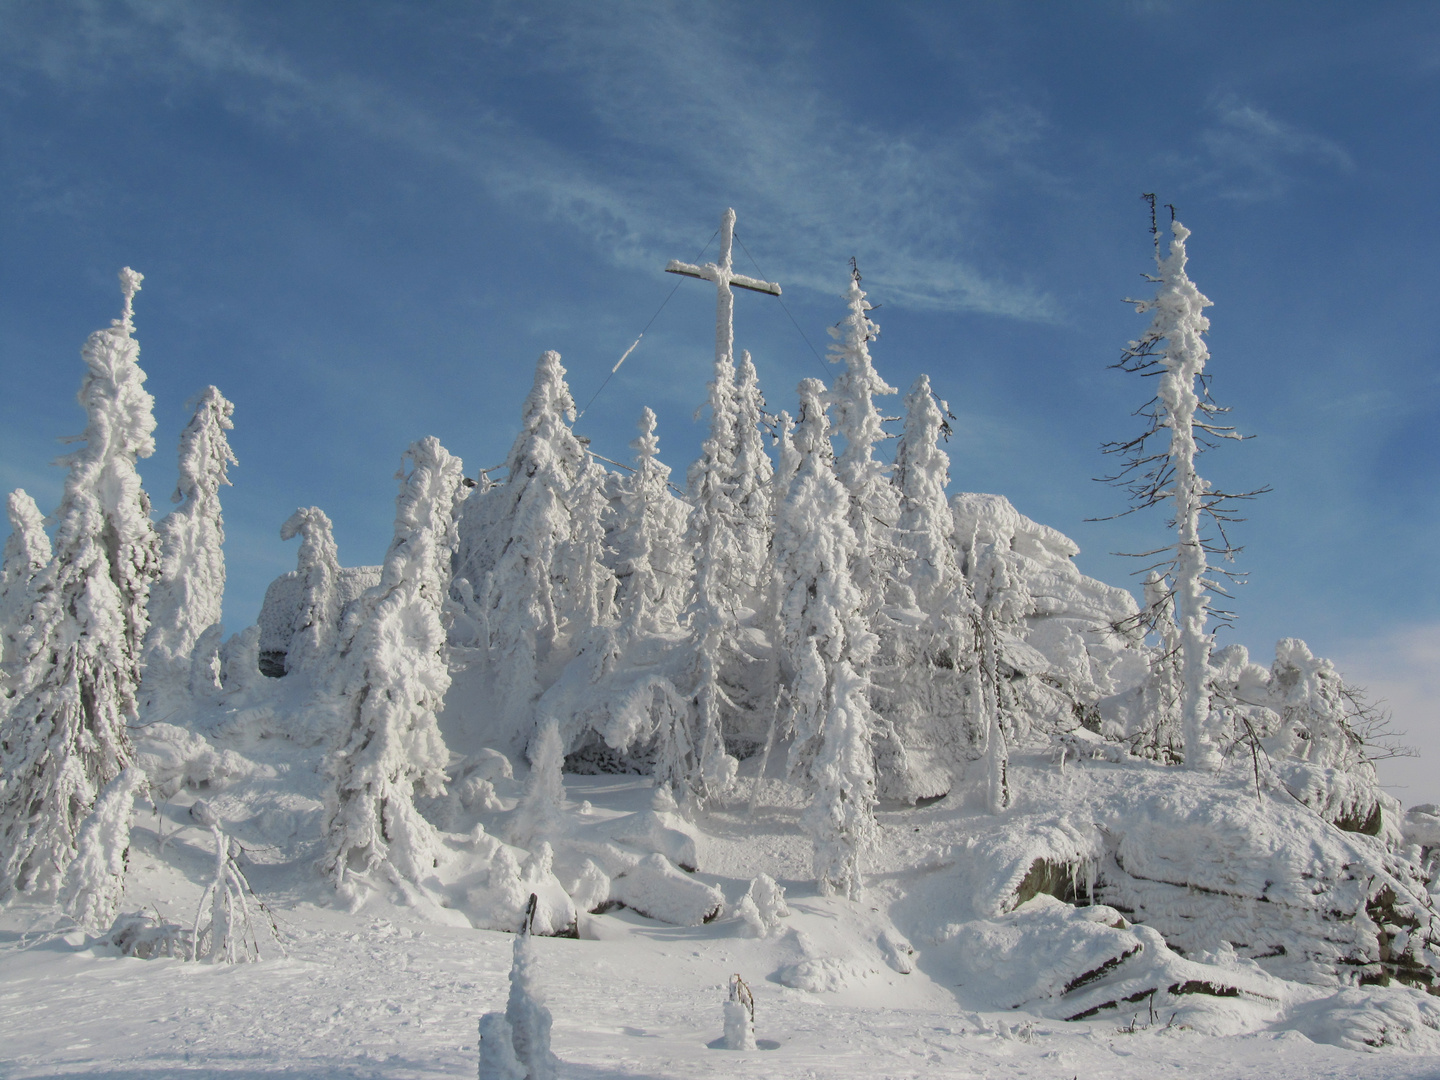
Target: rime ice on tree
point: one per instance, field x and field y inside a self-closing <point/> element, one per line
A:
<point x="826" y="645"/>
<point x="185" y="601"/>
<point x="393" y="670"/>
<point x="64" y="735"/>
<point x="1183" y="408"/>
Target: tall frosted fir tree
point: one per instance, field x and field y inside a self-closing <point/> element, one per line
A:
<point x="826" y="647"/>
<point x="649" y="541"/>
<point x="754" y="476"/>
<point x="393" y="672"/>
<point x="513" y="542"/>
<point x="64" y="737"/>
<point x="317" y="620"/>
<point x="874" y="501"/>
<point x="1174" y="348"/>
<point x="712" y="538"/>
<point x="930" y="710"/>
<point x="185" y="602"/>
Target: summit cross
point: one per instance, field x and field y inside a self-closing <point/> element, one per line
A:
<point x="724" y="276"/>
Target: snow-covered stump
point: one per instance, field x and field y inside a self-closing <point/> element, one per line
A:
<point x="525" y="1013"/>
<point x="497" y="1049"/>
<point x="739" y="1016"/>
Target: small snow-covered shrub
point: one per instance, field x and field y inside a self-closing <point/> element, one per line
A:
<point x="762" y="907"/>
<point x="229" y="936"/>
<point x="656" y="889"/>
<point x="591" y="890"/>
<point x="147" y="936"/>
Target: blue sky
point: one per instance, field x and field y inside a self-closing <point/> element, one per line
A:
<point x="363" y="222"/>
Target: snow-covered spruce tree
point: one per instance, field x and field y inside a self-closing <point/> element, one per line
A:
<point x="654" y="567"/>
<point x="393" y="670"/>
<point x="582" y="563"/>
<point x="511" y="542"/>
<point x="63" y="737"/>
<point x="1173" y="347"/>
<point x="929" y="662"/>
<point x="26" y="553"/>
<point x="825" y="646"/>
<point x="753" y="496"/>
<point x="713" y="614"/>
<point x="1001" y="601"/>
<point x="874" y="500"/>
<point x="312" y="648"/>
<point x="185" y="601"/>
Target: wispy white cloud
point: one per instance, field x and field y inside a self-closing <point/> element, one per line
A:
<point x="689" y="115"/>
<point x="1250" y="155"/>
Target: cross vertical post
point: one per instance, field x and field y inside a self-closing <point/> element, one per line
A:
<point x="722" y="273"/>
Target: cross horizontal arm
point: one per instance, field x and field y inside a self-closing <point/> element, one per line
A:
<point x="754" y="284"/>
<point x="711" y="272"/>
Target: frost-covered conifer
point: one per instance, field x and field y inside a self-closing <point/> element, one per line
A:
<point x="512" y="542"/>
<point x="713" y="616"/>
<point x="394" y="673"/>
<point x="874" y="501"/>
<point x="26" y="553"/>
<point x="63" y="737"/>
<point x="582" y="566"/>
<point x="312" y="648"/>
<point x="541" y="805"/>
<point x="754" y="476"/>
<point x="654" y="566"/>
<point x="1182" y="409"/>
<point x="1001" y="601"/>
<point x="826" y="645"/>
<point x="185" y="601"/>
<point x="937" y="636"/>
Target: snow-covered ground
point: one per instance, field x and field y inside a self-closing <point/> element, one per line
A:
<point x="396" y="989"/>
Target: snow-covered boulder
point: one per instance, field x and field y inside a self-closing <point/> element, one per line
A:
<point x="655" y="888"/>
<point x="1090" y="963"/>
<point x="1371" y="1018"/>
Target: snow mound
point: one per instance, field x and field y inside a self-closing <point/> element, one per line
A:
<point x="659" y="833"/>
<point x="1372" y="1018"/>
<point x="655" y="888"/>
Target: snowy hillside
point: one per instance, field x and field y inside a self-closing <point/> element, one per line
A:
<point x="808" y="766"/>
